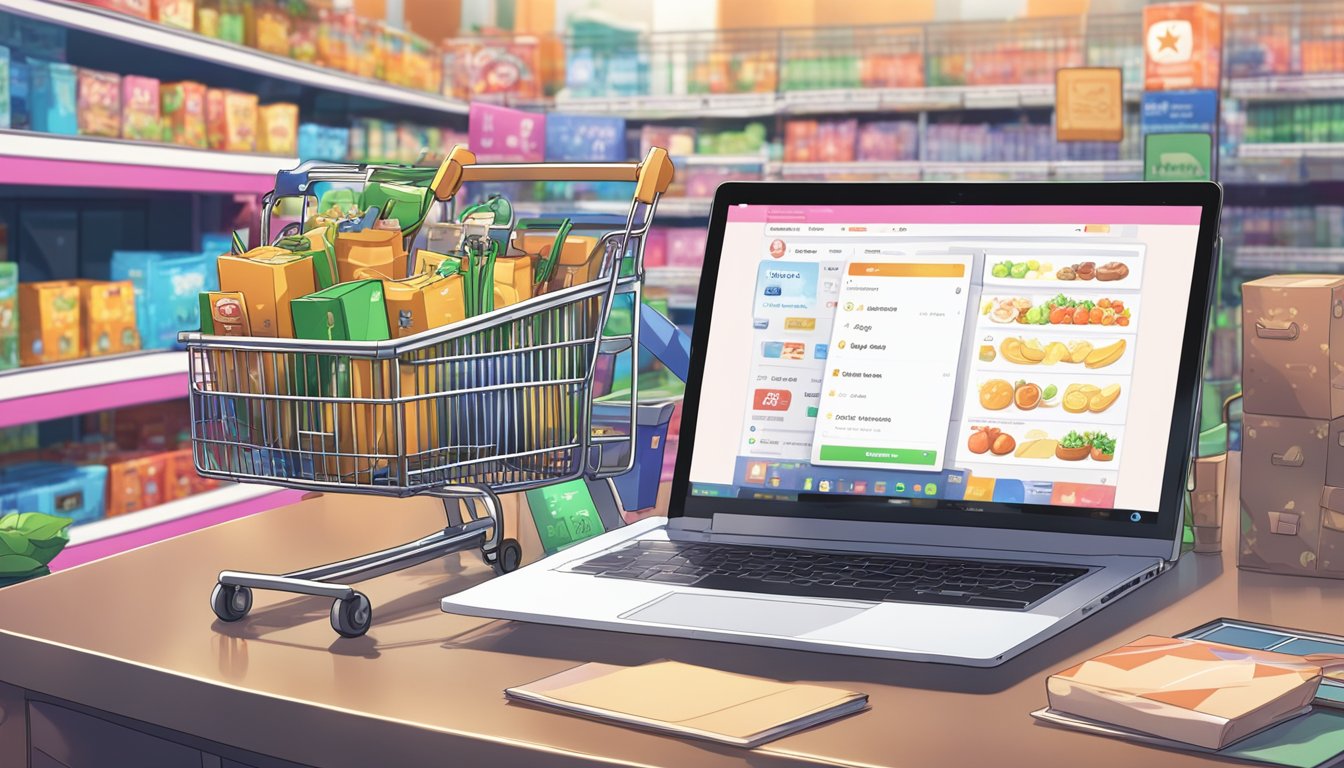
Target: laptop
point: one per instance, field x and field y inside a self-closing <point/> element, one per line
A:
<point x="937" y="422"/>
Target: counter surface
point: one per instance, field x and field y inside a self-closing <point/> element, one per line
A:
<point x="134" y="635"/>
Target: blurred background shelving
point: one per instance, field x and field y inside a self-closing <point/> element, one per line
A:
<point x="863" y="93"/>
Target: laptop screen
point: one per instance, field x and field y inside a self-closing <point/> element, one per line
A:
<point x="984" y="358"/>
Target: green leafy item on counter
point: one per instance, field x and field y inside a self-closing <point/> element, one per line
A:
<point x="29" y="540"/>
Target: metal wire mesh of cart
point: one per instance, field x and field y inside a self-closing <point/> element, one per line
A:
<point x="504" y="404"/>
<point x="1289" y="39"/>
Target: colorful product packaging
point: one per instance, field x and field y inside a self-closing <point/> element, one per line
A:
<point x="179" y="474"/>
<point x="175" y="13"/>
<point x="167" y="290"/>
<point x="56" y="489"/>
<point x="216" y="119"/>
<point x="134" y="483"/>
<point x="99" y="103"/>
<point x="107" y="310"/>
<point x="224" y="313"/>
<point x="513" y="279"/>
<point x="278" y="129"/>
<point x="1182" y="46"/>
<point x="4" y="87"/>
<point x="423" y="302"/>
<point x="270" y="29"/>
<point x="350" y="311"/>
<point x="140" y="119"/>
<point x="140" y="8"/>
<point x="50" y="327"/>
<point x="379" y="250"/>
<point x="9" y="315"/>
<point x="268" y="281"/>
<point x="20" y="110"/>
<point x="579" y="259"/>
<point x="240" y="122"/>
<point x="52" y="97"/>
<point x="183" y="108"/>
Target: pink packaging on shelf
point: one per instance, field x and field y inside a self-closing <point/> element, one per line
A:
<point x="140" y="109"/>
<point x="655" y="248"/>
<point x="686" y="247"/>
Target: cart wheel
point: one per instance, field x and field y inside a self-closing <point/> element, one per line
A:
<point x="352" y="616"/>
<point x="507" y="558"/>
<point x="230" y="603"/>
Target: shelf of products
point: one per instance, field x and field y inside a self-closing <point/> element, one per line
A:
<point x="94" y="384"/>
<point x="917" y="170"/>
<point x="84" y="161"/>
<point x="219" y="500"/>
<point x="183" y="42"/>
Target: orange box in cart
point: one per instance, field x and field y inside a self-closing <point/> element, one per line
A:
<point x="1293" y="346"/>
<point x="1182" y="46"/>
<point x="49" y="330"/>
<point x="268" y="281"/>
<point x="107" y="312"/>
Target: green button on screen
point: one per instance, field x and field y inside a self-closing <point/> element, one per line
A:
<point x="853" y="453"/>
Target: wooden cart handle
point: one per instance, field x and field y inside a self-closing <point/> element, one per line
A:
<point x="652" y="177"/>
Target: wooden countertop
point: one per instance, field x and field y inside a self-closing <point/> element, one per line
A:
<point x="134" y="635"/>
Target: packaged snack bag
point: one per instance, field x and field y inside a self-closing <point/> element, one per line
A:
<point x="99" y="103"/>
<point x="278" y="129"/>
<point x="140" y="109"/>
<point x="240" y="122"/>
<point x="183" y="107"/>
<point x="50" y="331"/>
<point x="107" y="310"/>
<point x="175" y="13"/>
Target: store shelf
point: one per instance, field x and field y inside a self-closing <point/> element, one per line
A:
<point x="692" y="160"/>
<point x="43" y="159"/>
<point x="836" y="100"/>
<point x="668" y="207"/>
<point x="147" y="34"/>
<point x="1325" y="85"/>
<point x="1281" y="259"/>
<point x="112" y="535"/>
<point x="916" y="170"/>
<point x="29" y="395"/>
<point x="1307" y="150"/>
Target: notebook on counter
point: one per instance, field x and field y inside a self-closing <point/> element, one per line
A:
<point x="1295" y="729"/>
<point x="686" y="700"/>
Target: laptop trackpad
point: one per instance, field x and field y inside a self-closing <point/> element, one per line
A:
<point x="756" y="615"/>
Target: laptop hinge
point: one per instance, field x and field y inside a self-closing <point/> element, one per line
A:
<point x="861" y="535"/>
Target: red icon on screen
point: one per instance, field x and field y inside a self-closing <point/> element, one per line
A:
<point x="772" y="400"/>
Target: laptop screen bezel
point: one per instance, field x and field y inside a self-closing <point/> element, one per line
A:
<point x="1016" y="516"/>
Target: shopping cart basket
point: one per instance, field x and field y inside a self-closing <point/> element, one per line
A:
<point x="500" y="402"/>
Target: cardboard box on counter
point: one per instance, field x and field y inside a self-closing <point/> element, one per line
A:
<point x="1293" y="346"/>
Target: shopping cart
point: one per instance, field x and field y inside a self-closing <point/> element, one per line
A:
<point x="500" y="402"/>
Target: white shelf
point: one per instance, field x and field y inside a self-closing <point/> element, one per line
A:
<point x="1291" y="150"/>
<point x="690" y="160"/>
<point x="912" y="170"/>
<point x="1277" y="258"/>
<point x="1325" y="85"/>
<point x="224" y="496"/>
<point x="842" y="100"/>
<point x="90" y="373"/>
<point x="90" y="149"/>
<point x="151" y="35"/>
<point x="687" y="207"/>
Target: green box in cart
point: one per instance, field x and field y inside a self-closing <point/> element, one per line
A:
<point x="9" y="315"/>
<point x="352" y="311"/>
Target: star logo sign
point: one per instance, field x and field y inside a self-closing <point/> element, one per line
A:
<point x="1168" y="40"/>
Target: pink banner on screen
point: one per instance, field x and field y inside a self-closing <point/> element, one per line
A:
<point x="503" y="135"/>
<point x="965" y="214"/>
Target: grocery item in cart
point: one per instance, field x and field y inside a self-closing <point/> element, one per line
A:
<point x="140" y="117"/>
<point x="379" y="250"/>
<point x="99" y="103"/>
<point x="183" y="108"/>
<point x="224" y="313"/>
<point x="513" y="279"/>
<point x="9" y="315"/>
<point x="576" y="263"/>
<point x="419" y="303"/>
<point x="269" y="281"/>
<point x="50" y="331"/>
<point x="107" y="310"/>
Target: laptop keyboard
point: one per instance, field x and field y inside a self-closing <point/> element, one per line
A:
<point x="838" y="575"/>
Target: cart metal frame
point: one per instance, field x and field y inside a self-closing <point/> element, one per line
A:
<point x="500" y="402"/>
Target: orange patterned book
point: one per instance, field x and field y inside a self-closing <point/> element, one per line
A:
<point x="1196" y="692"/>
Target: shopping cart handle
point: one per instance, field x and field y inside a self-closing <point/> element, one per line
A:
<point x="652" y="177"/>
<point x="665" y="341"/>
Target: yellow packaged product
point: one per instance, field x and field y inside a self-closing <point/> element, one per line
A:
<point x="513" y="279"/>
<point x="269" y="278"/>
<point x="379" y="250"/>
<point x="579" y="259"/>
<point x="49" y="322"/>
<point x="107" y="312"/>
